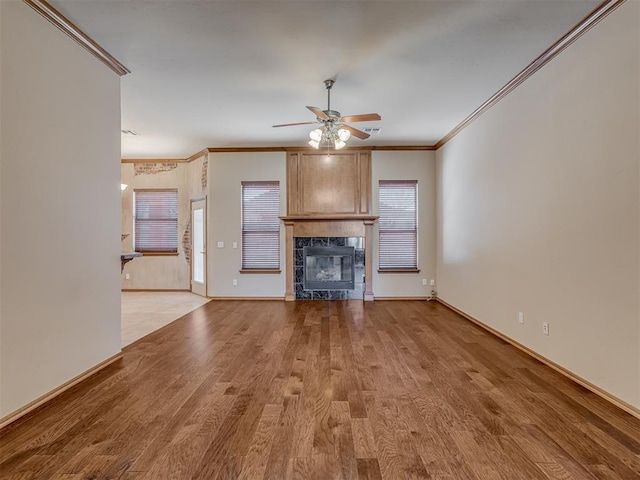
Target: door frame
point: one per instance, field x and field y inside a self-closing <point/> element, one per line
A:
<point x="206" y="277"/>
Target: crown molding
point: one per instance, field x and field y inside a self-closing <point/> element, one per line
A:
<point x="67" y="26"/>
<point x="202" y="153"/>
<point x="600" y="12"/>
<point x="206" y="151"/>
<point x="246" y="149"/>
<point x="299" y="148"/>
<point x="405" y="148"/>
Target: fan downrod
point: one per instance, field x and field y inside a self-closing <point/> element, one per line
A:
<point x="331" y="113"/>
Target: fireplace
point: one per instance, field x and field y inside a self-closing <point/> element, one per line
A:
<point x="329" y="204"/>
<point x="328" y="268"/>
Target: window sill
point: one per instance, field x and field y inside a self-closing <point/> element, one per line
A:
<point x="260" y="270"/>
<point x="159" y="254"/>
<point x="398" y="270"/>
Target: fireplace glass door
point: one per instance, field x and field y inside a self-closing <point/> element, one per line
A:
<point x="328" y="268"/>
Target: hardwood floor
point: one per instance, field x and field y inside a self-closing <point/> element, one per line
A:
<point x="324" y="390"/>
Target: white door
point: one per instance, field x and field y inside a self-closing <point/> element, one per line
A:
<point x="198" y="246"/>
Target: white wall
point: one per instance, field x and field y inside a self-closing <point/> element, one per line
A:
<point x="60" y="200"/>
<point x="226" y="172"/>
<point x="403" y="165"/>
<point x="539" y="210"/>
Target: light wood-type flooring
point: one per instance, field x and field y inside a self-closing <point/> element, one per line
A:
<point x="323" y="390"/>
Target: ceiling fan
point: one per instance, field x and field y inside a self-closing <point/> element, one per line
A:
<point x="334" y="130"/>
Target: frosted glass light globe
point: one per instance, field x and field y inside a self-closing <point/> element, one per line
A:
<point x="344" y="134"/>
<point x="315" y="134"/>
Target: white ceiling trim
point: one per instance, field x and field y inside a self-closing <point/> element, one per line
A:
<point x="63" y="23"/>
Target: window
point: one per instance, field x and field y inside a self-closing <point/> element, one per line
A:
<point x="260" y="226"/>
<point x="155" y="221"/>
<point x="398" y="224"/>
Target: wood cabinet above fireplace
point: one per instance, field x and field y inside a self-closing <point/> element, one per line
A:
<point x="319" y="184"/>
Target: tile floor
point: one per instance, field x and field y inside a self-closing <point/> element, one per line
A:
<point x="145" y="312"/>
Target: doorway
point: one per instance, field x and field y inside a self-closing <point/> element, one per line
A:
<point x="199" y="246"/>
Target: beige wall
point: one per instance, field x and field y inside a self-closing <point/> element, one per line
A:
<point x="420" y="166"/>
<point x="226" y="171"/>
<point x="539" y="210"/>
<point x="60" y="150"/>
<point x="152" y="272"/>
<point x="155" y="272"/>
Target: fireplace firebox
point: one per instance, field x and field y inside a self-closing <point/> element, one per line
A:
<point x="329" y="268"/>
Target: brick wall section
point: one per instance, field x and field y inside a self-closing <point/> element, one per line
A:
<point x="153" y="168"/>
<point x="186" y="243"/>
<point x="203" y="177"/>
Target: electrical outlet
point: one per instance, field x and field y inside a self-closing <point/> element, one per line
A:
<point x="433" y="282"/>
<point x="235" y="282"/>
<point x="220" y="244"/>
<point x="235" y="244"/>
<point x="545" y="328"/>
<point x="521" y="317"/>
<point x="127" y="276"/>
<point x="424" y="282"/>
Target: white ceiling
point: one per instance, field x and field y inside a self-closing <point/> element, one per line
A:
<point x="220" y="73"/>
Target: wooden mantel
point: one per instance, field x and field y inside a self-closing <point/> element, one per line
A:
<point x="328" y="218"/>
<point x="329" y="196"/>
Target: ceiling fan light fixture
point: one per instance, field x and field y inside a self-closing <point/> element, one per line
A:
<point x="344" y="134"/>
<point x="334" y="130"/>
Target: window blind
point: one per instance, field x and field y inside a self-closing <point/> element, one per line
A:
<point x="155" y="220"/>
<point x="398" y="224"/>
<point x="260" y="225"/>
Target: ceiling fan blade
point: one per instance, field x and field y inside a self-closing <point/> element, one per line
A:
<point x="365" y="117"/>
<point x="319" y="113"/>
<point x="292" y="124"/>
<point x="355" y="132"/>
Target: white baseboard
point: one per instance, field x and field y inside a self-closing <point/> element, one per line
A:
<point x="627" y="407"/>
<point x="47" y="397"/>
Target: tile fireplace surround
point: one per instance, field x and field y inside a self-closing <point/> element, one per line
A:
<point x="356" y="293"/>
